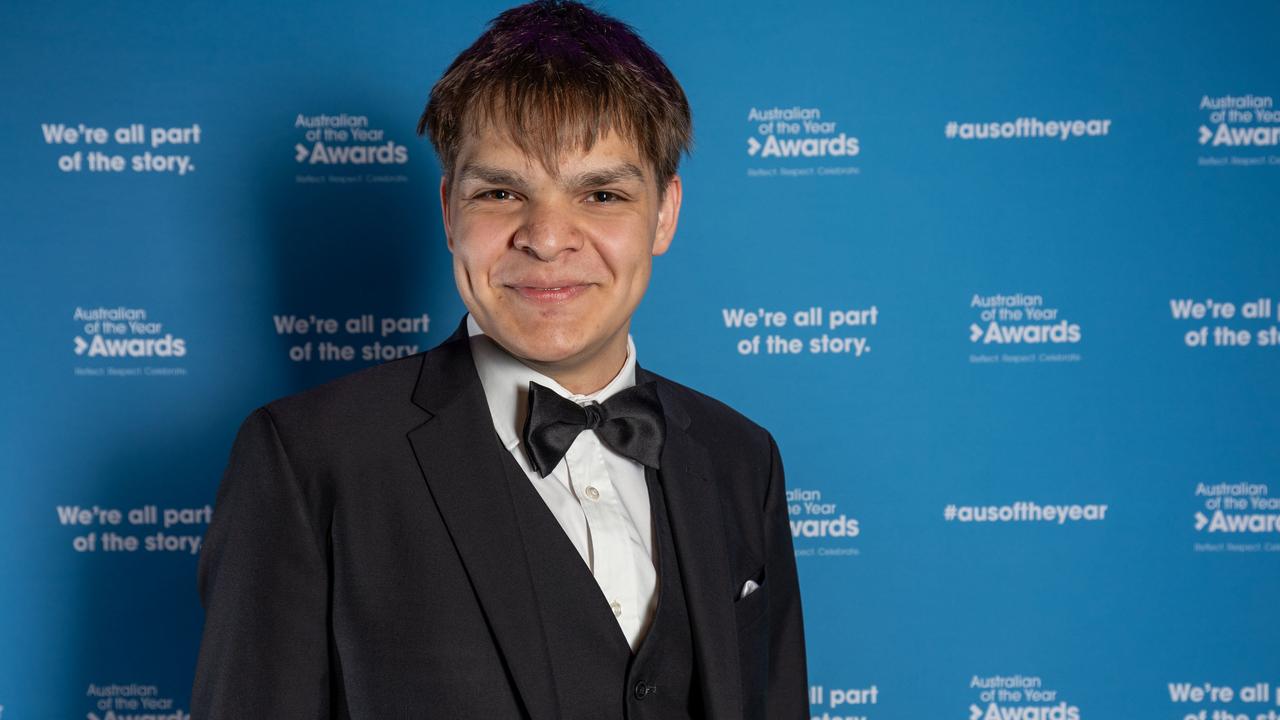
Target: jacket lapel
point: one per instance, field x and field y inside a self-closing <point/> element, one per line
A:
<point x="464" y="474"/>
<point x="697" y="528"/>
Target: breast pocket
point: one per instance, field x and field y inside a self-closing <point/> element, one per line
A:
<point x="754" y="605"/>
<point x="752" y="614"/>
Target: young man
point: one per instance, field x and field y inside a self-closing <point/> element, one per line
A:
<point x="521" y="522"/>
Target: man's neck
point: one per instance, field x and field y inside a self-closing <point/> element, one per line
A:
<point x="584" y="374"/>
<point x="587" y="376"/>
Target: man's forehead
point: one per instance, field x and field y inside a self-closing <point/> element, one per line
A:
<point x="491" y="148"/>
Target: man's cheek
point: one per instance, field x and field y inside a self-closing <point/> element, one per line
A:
<point x="471" y="280"/>
<point x="478" y="258"/>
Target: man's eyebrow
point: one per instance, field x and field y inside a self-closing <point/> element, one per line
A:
<point x="606" y="176"/>
<point x="490" y="175"/>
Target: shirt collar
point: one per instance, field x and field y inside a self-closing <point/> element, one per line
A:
<point x="506" y="384"/>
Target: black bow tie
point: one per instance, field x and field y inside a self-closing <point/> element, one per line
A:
<point x="630" y="422"/>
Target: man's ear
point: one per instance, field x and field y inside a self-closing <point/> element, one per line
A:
<point x="444" y="210"/>
<point x="668" y="216"/>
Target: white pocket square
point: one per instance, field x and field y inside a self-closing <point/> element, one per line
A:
<point x="748" y="587"/>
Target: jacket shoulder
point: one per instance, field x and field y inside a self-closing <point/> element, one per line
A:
<point x="352" y="405"/>
<point x="713" y="420"/>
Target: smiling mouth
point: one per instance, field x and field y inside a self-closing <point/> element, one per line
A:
<point x="552" y="294"/>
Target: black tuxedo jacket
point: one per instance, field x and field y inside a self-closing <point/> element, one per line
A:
<point x="364" y="558"/>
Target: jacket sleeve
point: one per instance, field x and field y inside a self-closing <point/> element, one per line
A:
<point x="263" y="581"/>
<point x="788" y="693"/>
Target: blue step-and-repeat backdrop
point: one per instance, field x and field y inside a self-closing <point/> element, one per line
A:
<point x="1002" y="278"/>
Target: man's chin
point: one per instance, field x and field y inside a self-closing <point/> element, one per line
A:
<point x="544" y="353"/>
<point x="555" y="342"/>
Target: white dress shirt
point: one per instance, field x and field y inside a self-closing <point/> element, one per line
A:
<point x="598" y="496"/>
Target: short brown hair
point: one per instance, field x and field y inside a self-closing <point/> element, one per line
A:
<point x="556" y="75"/>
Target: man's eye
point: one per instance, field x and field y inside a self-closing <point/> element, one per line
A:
<point x="604" y="196"/>
<point x="497" y="195"/>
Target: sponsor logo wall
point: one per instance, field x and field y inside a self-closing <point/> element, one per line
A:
<point x="1023" y="371"/>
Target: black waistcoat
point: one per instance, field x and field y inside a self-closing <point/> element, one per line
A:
<point x="597" y="677"/>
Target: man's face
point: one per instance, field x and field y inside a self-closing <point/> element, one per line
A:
<point x="552" y="268"/>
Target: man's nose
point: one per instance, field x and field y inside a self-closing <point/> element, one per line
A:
<point x="548" y="230"/>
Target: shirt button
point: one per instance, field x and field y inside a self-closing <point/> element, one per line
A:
<point x="617" y="608"/>
<point x="593" y="493"/>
